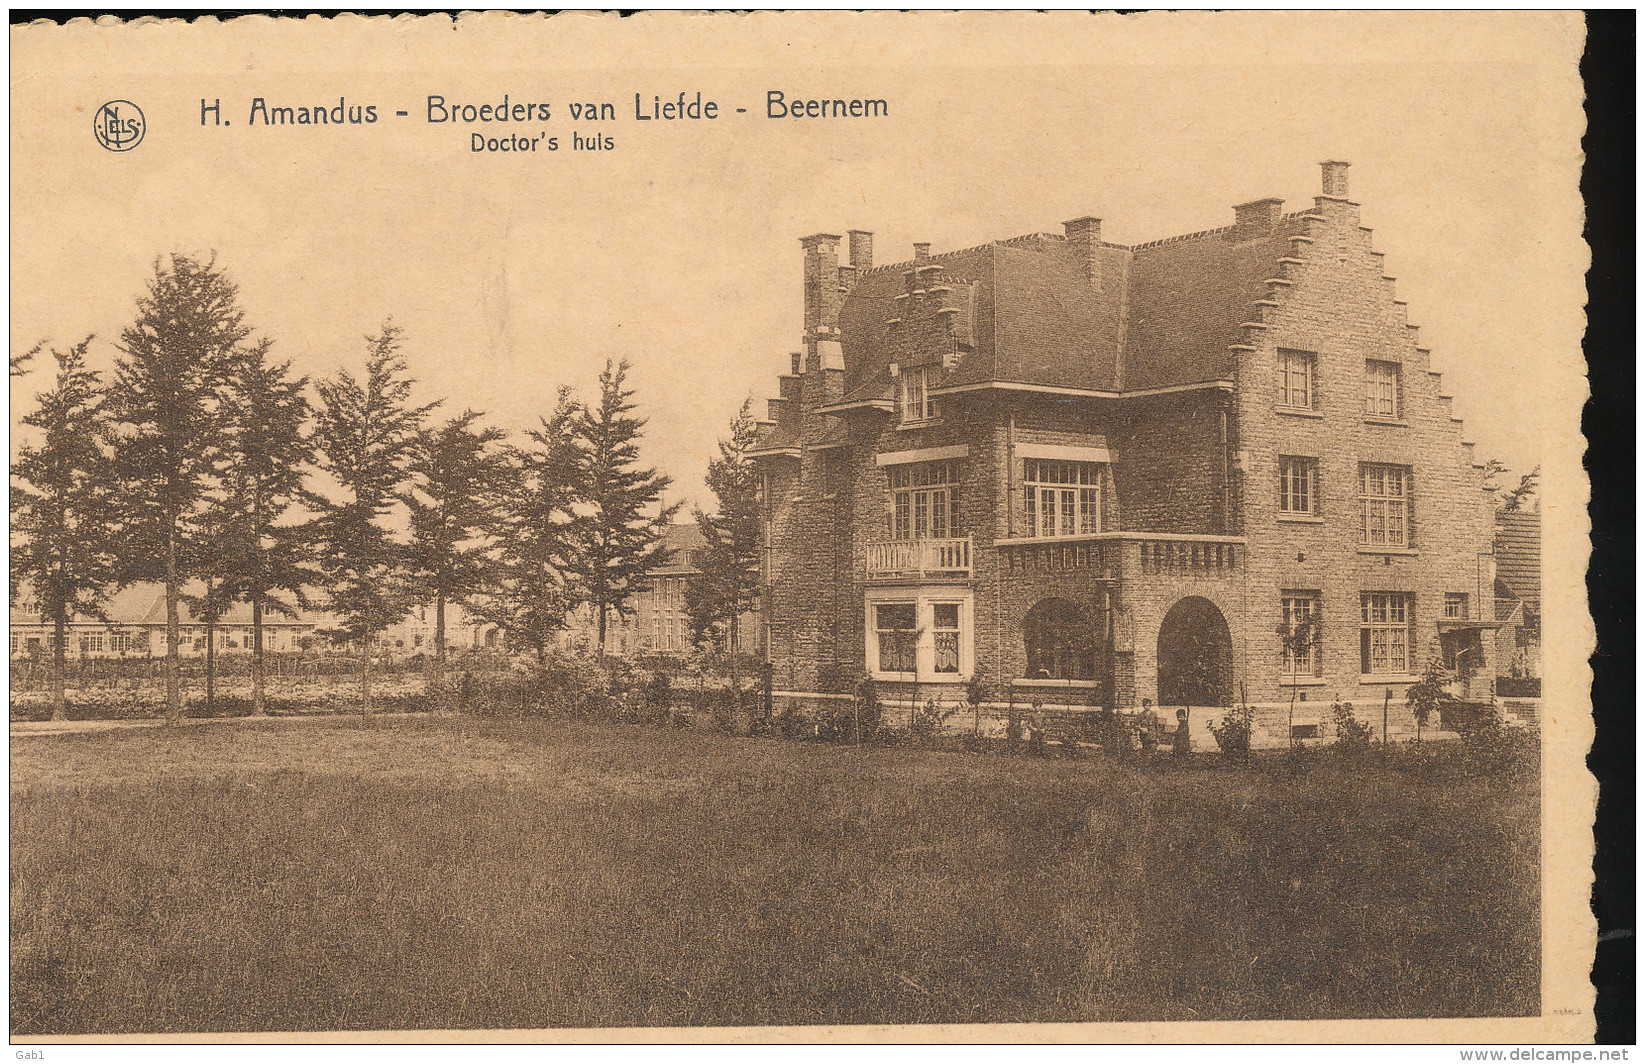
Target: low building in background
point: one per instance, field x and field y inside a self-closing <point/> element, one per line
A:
<point x="136" y="628"/>
<point x="1519" y="593"/>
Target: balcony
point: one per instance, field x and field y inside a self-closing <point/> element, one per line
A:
<point x="920" y="558"/>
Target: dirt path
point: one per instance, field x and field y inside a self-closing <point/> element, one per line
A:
<point x="21" y="728"/>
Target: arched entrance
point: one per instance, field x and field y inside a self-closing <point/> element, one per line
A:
<point x="1196" y="656"/>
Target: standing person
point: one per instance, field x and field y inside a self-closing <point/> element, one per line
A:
<point x="1179" y="742"/>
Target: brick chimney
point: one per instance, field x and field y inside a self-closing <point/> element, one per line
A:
<point x="862" y="250"/>
<point x="1085" y="236"/>
<point x="922" y="252"/>
<point x="1254" y="219"/>
<point x="822" y="283"/>
<point x="1334" y="178"/>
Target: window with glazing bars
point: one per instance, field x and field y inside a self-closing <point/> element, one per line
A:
<point x="915" y="388"/>
<point x="1296" y="379"/>
<point x="1384" y="505"/>
<point x="1299" y="623"/>
<point x="1385" y="633"/>
<point x="925" y="500"/>
<point x="1061" y="498"/>
<point x="1298" y="485"/>
<point x="1381" y="388"/>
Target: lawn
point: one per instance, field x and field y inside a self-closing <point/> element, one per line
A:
<point x="459" y="873"/>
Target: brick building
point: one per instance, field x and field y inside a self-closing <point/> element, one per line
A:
<point x="658" y="623"/>
<point x="135" y="627"/>
<point x="1108" y="473"/>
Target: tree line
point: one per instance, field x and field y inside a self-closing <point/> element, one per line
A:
<point x="207" y="464"/>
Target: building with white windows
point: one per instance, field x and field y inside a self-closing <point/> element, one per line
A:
<point x="1110" y="473"/>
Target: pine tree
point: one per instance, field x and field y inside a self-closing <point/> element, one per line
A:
<point x="621" y="544"/>
<point x="166" y="403"/>
<point x="63" y="513"/>
<point x="540" y="532"/>
<point x="365" y="434"/>
<point x="1514" y="499"/>
<point x="728" y="580"/>
<point x="458" y="473"/>
<point x="260" y="554"/>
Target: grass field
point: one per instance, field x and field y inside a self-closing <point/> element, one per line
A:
<point x="459" y="874"/>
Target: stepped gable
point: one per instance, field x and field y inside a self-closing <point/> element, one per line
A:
<point x="867" y="313"/>
<point x="1188" y="298"/>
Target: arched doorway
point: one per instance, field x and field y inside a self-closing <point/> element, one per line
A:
<point x="1196" y="656"/>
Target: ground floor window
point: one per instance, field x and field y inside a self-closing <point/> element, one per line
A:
<point x="919" y="634"/>
<point x="895" y="624"/>
<point x="1059" y="642"/>
<point x="1385" y="633"/>
<point x="1299" y="633"/>
<point x="91" y="643"/>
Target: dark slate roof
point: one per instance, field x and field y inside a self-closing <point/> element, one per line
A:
<point x="1519" y="553"/>
<point x="1162" y="314"/>
<point x="778" y="438"/>
<point x="1188" y="297"/>
<point x="684" y="540"/>
<point x="865" y="336"/>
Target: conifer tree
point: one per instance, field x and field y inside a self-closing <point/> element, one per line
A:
<point x="728" y="563"/>
<point x="621" y="543"/>
<point x="458" y="477"/>
<point x="540" y="531"/>
<point x="63" y="512"/>
<point x="166" y="404"/>
<point x="260" y="554"/>
<point x="365" y="433"/>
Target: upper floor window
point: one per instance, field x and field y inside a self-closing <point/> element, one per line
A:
<point x="1456" y="606"/>
<point x="917" y="404"/>
<point x="1061" y="498"/>
<point x="925" y="500"/>
<point x="1381" y="388"/>
<point x="1298" y="485"/>
<point x="1384" y="505"/>
<point x="1296" y="379"/>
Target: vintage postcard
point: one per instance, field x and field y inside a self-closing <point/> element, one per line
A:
<point x="800" y="527"/>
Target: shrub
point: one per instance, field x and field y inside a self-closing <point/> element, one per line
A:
<point x="1492" y="747"/>
<point x="657" y="699"/>
<point x="1233" y="732"/>
<point x="1424" y="696"/>
<point x="928" y="721"/>
<point x="1353" y="735"/>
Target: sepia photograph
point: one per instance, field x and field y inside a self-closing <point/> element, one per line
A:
<point x="800" y="527"/>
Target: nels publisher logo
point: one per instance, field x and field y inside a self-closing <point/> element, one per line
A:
<point x="118" y="125"/>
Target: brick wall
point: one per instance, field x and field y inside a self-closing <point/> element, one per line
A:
<point x="1340" y="307"/>
<point x="1192" y="463"/>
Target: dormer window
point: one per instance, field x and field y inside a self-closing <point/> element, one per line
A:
<point x="917" y="405"/>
